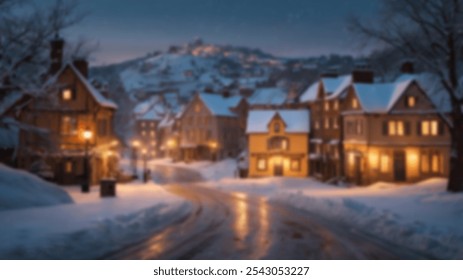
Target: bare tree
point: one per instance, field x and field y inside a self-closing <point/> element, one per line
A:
<point x="25" y="33"/>
<point x="431" y="33"/>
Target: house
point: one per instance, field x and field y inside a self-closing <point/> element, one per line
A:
<point x="212" y="127"/>
<point x="168" y="136"/>
<point x="146" y="129"/>
<point x="278" y="143"/>
<point x="325" y="101"/>
<point x="76" y="121"/>
<point x="393" y="132"/>
<point x="268" y="98"/>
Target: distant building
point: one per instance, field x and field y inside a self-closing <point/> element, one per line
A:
<point x="72" y="109"/>
<point x="267" y="98"/>
<point x="278" y="143"/>
<point x="393" y="132"/>
<point x="146" y="130"/>
<point x="212" y="127"/>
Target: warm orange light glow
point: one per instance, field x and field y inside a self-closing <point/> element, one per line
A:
<point x="88" y="134"/>
<point x="144" y="151"/>
<point x="171" y="143"/>
<point x="213" y="145"/>
<point x="351" y="159"/>
<point x="136" y="143"/>
<point x="373" y="159"/>
<point x="241" y="225"/>
<point x="412" y="162"/>
<point x="384" y="163"/>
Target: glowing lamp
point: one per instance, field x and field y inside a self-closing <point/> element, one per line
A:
<point x="87" y="134"/>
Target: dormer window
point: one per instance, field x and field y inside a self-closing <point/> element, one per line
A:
<point x="67" y="94"/>
<point x="276" y="128"/>
<point x="410" y="101"/>
<point x="355" y="103"/>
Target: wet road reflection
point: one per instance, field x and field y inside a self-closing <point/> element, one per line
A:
<point x="240" y="226"/>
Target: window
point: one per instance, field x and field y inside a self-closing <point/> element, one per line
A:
<point x="335" y="123"/>
<point x="431" y="162"/>
<point x="410" y="101"/>
<point x="68" y="167"/>
<point x="327" y="106"/>
<point x="278" y="143"/>
<point x="317" y="125"/>
<point x="261" y="164"/>
<point x="396" y="128"/>
<point x="384" y="167"/>
<point x="336" y="105"/>
<point x="197" y="108"/>
<point x="67" y="94"/>
<point x="68" y="125"/>
<point x="152" y="133"/>
<point x="359" y="127"/>
<point x="429" y="128"/>
<point x="295" y="165"/>
<point x="143" y="124"/>
<point x="355" y="103"/>
<point x="276" y="128"/>
<point x="143" y="133"/>
<point x="327" y="123"/>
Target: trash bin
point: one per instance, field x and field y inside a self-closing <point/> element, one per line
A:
<point x="85" y="187"/>
<point x="107" y="188"/>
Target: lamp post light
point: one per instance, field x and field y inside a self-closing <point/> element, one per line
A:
<point x="87" y="135"/>
<point x="135" y="146"/>
<point x="213" y="145"/>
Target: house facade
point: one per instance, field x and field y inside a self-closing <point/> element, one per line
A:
<point x="74" y="122"/>
<point x="393" y="133"/>
<point x="147" y="132"/>
<point x="211" y="127"/>
<point x="278" y="143"/>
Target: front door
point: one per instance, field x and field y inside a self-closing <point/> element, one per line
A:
<point x="278" y="169"/>
<point x="399" y="166"/>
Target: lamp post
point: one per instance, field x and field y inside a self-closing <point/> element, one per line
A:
<point x="213" y="145"/>
<point x="87" y="135"/>
<point x="145" y="172"/>
<point x="135" y="146"/>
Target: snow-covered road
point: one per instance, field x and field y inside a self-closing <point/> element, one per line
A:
<point x="236" y="225"/>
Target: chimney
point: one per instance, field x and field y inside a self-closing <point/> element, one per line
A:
<point x="226" y="93"/>
<point x="82" y="65"/>
<point x="407" y="67"/>
<point x="56" y="54"/>
<point x="362" y="73"/>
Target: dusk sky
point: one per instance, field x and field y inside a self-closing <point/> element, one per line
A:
<point x="127" y="29"/>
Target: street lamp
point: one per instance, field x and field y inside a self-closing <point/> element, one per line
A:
<point x="135" y="146"/>
<point x="87" y="135"/>
<point x="145" y="172"/>
<point x="213" y="145"/>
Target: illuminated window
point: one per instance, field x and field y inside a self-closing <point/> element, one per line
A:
<point x="152" y="133"/>
<point x="384" y="164"/>
<point x="295" y="165"/>
<point x="68" y="167"/>
<point x="327" y="123"/>
<point x="327" y="106"/>
<point x="336" y="105"/>
<point x="261" y="164"/>
<point x="68" y="125"/>
<point x="197" y="108"/>
<point x="429" y="128"/>
<point x="435" y="163"/>
<point x="143" y="133"/>
<point x="396" y="128"/>
<point x="317" y="125"/>
<point x="355" y="103"/>
<point x="335" y="123"/>
<point x="284" y="144"/>
<point x="66" y="94"/>
<point x="143" y="124"/>
<point x="411" y="101"/>
<point x="278" y="143"/>
<point x="431" y="162"/>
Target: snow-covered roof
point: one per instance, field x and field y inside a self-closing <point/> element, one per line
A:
<point x="96" y="94"/>
<point x="167" y="121"/>
<point x="219" y="105"/>
<point x="333" y="87"/>
<point x="433" y="88"/>
<point x="153" y="114"/>
<point x="380" y="98"/>
<point x="268" y="96"/>
<point x="297" y="121"/>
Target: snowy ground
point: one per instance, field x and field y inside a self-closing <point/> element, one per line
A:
<point x="90" y="228"/>
<point x="422" y="216"/>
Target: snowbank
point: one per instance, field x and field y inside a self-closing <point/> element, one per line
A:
<point x="90" y="228"/>
<point x="20" y="189"/>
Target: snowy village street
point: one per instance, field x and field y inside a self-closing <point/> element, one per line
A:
<point x="237" y="225"/>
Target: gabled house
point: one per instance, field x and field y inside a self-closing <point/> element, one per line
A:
<point x="278" y="143"/>
<point x="212" y="127"/>
<point x="76" y="118"/>
<point x="147" y="129"/>
<point x="325" y="101"/>
<point x="394" y="133"/>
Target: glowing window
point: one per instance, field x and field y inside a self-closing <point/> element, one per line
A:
<point x="295" y="165"/>
<point x="425" y="163"/>
<point x="435" y="163"/>
<point x="384" y="166"/>
<point x="355" y="103"/>
<point x="68" y="125"/>
<point x="327" y="106"/>
<point x="68" y="167"/>
<point x="327" y="123"/>
<point x="336" y="105"/>
<point x="261" y="164"/>
<point x="429" y="128"/>
<point x="396" y="128"/>
<point x="411" y="101"/>
<point x="66" y="94"/>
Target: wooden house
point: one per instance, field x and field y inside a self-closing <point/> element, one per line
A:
<point x="278" y="143"/>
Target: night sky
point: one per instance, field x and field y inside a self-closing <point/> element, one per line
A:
<point x="126" y="28"/>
